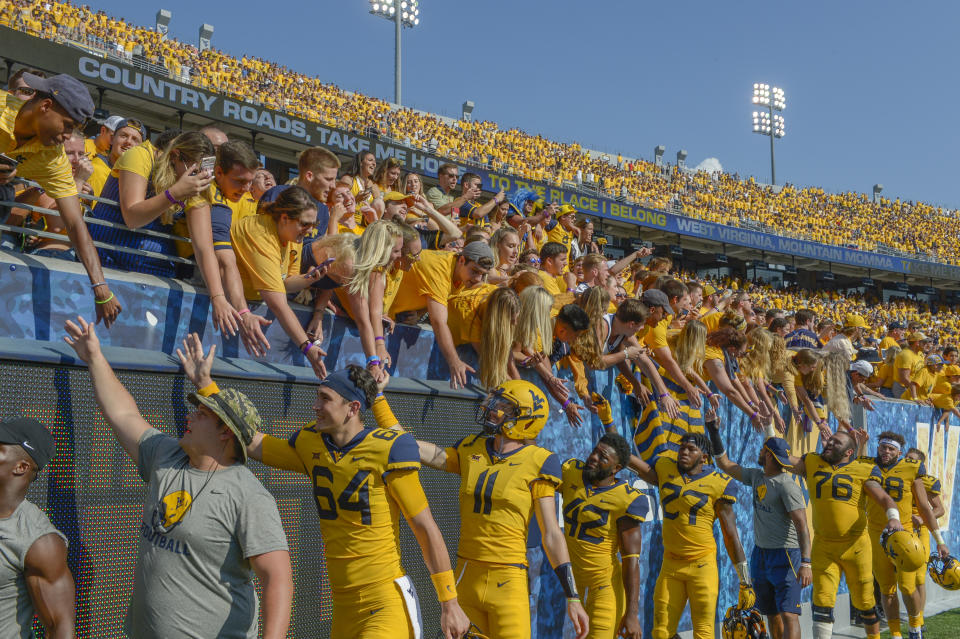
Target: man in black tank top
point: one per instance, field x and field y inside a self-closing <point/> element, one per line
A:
<point x="34" y="578"/>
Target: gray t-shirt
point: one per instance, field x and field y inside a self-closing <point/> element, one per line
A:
<point x="193" y="576"/>
<point x="773" y="498"/>
<point x="18" y="532"/>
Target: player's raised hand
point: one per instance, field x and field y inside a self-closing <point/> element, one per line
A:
<point x="82" y="338"/>
<point x="581" y="622"/>
<point x="196" y="365"/>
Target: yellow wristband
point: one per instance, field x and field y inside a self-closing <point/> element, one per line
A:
<point x="445" y="585"/>
<point x="629" y="556"/>
<point x="208" y="390"/>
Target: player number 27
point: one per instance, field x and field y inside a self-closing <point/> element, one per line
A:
<point x="355" y="496"/>
<point x="669" y="492"/>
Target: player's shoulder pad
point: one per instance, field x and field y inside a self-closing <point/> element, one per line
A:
<point x="403" y="446"/>
<point x="550" y="464"/>
<point x="867" y="459"/>
<point x="572" y="464"/>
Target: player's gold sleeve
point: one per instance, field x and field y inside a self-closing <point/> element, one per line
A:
<point x="405" y="488"/>
<point x="542" y="488"/>
<point x="453" y="460"/>
<point x="280" y="454"/>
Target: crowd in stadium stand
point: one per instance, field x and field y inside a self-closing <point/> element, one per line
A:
<point x="506" y="282"/>
<point x="848" y="219"/>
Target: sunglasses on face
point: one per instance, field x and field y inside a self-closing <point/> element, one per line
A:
<point x="535" y="261"/>
<point x="413" y="257"/>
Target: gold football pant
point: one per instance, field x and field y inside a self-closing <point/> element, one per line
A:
<point x="924" y="535"/>
<point x="887" y="574"/>
<point x="496" y="597"/>
<point x="682" y="580"/>
<point x="853" y="558"/>
<point x="604" y="599"/>
<point x="388" y="609"/>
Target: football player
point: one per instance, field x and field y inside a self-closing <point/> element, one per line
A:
<point x="902" y="479"/>
<point x="602" y="516"/>
<point x="362" y="478"/>
<point x="693" y="494"/>
<point x="932" y="487"/>
<point x="504" y="477"/>
<point x="838" y="483"/>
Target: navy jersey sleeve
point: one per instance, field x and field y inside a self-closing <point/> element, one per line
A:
<point x="404" y="454"/>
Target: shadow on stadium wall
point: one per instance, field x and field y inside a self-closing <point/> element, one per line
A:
<point x="92" y="492"/>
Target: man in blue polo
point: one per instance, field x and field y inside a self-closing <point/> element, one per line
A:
<point x="780" y="563"/>
<point x="803" y="336"/>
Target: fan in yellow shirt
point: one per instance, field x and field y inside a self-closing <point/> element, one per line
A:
<point x="429" y="284"/>
<point x="553" y="269"/>
<point x="32" y="133"/>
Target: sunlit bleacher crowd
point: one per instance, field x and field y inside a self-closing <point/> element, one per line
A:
<point x="849" y="219"/>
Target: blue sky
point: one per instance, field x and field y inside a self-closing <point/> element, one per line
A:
<point x="869" y="85"/>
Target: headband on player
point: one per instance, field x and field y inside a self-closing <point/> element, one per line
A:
<point x="339" y="381"/>
<point x="890" y="442"/>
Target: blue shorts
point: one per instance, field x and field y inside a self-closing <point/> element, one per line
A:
<point x="775" y="580"/>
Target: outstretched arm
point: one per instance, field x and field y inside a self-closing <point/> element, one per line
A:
<point x="723" y="462"/>
<point x="555" y="547"/>
<point x="406" y="490"/>
<point x="731" y="539"/>
<point x="926" y="513"/>
<point x="51" y="586"/>
<point x="879" y="495"/>
<point x="116" y="403"/>
<point x="645" y="470"/>
<point x="432" y="455"/>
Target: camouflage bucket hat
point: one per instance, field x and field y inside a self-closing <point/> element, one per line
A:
<point x="236" y="411"/>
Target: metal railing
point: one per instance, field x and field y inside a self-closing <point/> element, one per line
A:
<point x="88" y="219"/>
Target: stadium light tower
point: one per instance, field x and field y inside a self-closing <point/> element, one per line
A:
<point x="767" y="122"/>
<point x="206" y="34"/>
<point x="163" y="21"/>
<point x="403" y="13"/>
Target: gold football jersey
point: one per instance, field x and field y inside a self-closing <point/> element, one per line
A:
<point x="591" y="515"/>
<point x="932" y="485"/>
<point x="358" y="519"/>
<point x="897" y="481"/>
<point x="496" y="502"/>
<point x="689" y="504"/>
<point x="836" y="495"/>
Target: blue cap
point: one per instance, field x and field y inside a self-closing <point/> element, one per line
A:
<point x="339" y="382"/>
<point x="779" y="448"/>
<point x="66" y="91"/>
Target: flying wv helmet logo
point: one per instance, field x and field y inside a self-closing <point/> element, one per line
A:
<point x="537" y="402"/>
<point x="171" y="509"/>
